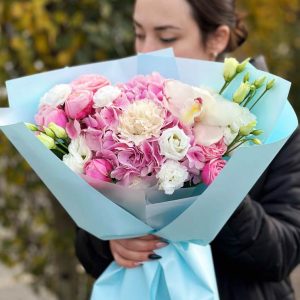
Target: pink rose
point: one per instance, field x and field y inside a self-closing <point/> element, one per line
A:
<point x="48" y="114"/>
<point x="91" y="82"/>
<point x="211" y="170"/>
<point x="99" y="169"/>
<point x="79" y="104"/>
<point x="213" y="151"/>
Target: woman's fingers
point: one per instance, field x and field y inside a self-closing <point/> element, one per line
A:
<point x="130" y="253"/>
<point x="123" y="262"/>
<point x="139" y="244"/>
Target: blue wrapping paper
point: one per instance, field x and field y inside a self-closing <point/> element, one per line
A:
<point x="186" y="269"/>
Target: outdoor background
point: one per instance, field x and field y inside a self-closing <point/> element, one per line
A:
<point x="36" y="235"/>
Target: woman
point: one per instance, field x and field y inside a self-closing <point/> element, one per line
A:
<point x="260" y="244"/>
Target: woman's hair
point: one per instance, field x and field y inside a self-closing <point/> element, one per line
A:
<point x="210" y="14"/>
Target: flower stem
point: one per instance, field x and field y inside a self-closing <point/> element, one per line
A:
<point x="224" y="87"/>
<point x="62" y="144"/>
<point x="241" y="143"/>
<point x="60" y="150"/>
<point x="250" y="97"/>
<point x="258" y="99"/>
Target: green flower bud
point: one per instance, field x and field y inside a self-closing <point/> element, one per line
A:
<point x="246" y="77"/>
<point x="230" y="66"/>
<point x="47" y="141"/>
<point x="270" y="84"/>
<point x="49" y="132"/>
<point x="31" y="127"/>
<point x="246" y="130"/>
<point x="241" y="92"/>
<point x="59" y="132"/>
<point x="259" y="82"/>
<point x="257" y="132"/>
<point x="241" y="67"/>
<point x="256" y="141"/>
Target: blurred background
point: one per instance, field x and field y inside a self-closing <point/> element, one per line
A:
<point x="37" y="259"/>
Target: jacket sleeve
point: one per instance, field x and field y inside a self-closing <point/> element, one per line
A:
<point x="93" y="253"/>
<point x="262" y="238"/>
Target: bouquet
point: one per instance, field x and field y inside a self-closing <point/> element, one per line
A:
<point x="149" y="131"/>
<point x="119" y="132"/>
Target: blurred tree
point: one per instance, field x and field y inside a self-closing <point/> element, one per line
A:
<point x="274" y="32"/>
<point x="35" y="36"/>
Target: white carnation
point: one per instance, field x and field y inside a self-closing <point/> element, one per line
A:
<point x="141" y="120"/>
<point x="174" y="143"/>
<point x="106" y="95"/>
<point x="171" y="176"/>
<point x="57" y="95"/>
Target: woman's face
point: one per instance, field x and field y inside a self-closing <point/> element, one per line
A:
<point x="168" y="23"/>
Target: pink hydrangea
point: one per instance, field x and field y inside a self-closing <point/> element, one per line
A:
<point x="143" y="87"/>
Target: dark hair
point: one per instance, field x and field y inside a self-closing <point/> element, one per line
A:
<point x="210" y="14"/>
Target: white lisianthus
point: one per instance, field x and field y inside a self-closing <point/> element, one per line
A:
<point x="141" y="120"/>
<point x="74" y="162"/>
<point x="57" y="95"/>
<point x="174" y="143"/>
<point x="79" y="155"/>
<point x="171" y="176"/>
<point x="106" y="95"/>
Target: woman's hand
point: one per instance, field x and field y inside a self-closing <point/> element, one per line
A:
<point x="130" y="253"/>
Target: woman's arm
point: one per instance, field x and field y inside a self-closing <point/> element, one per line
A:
<point x="93" y="253"/>
<point x="262" y="238"/>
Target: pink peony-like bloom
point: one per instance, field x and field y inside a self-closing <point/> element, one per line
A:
<point x="213" y="151"/>
<point x="211" y="170"/>
<point x="90" y="82"/>
<point x="79" y="104"/>
<point x="48" y="114"/>
<point x="99" y="169"/>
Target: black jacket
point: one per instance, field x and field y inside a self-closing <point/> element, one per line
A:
<point x="257" y="248"/>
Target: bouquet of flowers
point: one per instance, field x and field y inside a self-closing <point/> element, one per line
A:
<point x="149" y="130"/>
<point x="138" y="140"/>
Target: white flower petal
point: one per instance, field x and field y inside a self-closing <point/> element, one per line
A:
<point x="57" y="95"/>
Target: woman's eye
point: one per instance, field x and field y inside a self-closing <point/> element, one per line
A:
<point x="139" y="36"/>
<point x="168" y="40"/>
